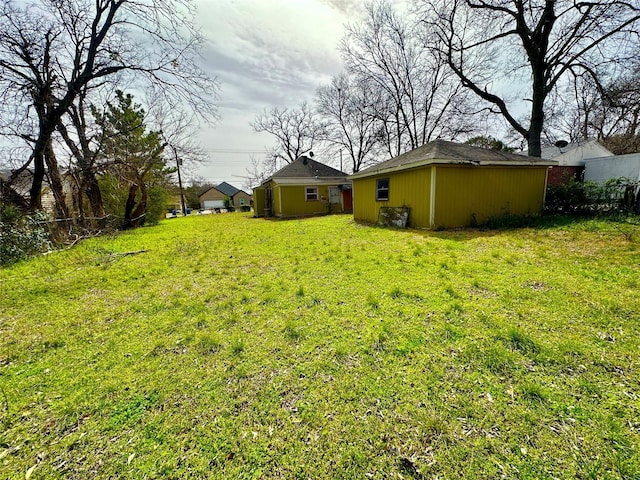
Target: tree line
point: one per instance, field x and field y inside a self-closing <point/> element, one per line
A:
<point x="537" y="71"/>
<point x="65" y="116"/>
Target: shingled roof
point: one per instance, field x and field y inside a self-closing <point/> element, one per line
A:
<point x="443" y="152"/>
<point x="306" y="168"/>
<point x="228" y="189"/>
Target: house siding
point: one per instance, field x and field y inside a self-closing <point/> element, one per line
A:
<point x="603" y="169"/>
<point x="409" y="188"/>
<point x="259" y="201"/>
<point x="562" y="175"/>
<point x="462" y="195"/>
<point x="241" y="195"/>
<point x="210" y="195"/>
<point x="466" y="195"/>
<point x="291" y="201"/>
<point x="276" y="199"/>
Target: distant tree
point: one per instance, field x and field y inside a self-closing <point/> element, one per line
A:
<point x="132" y="157"/>
<point x="257" y="172"/>
<point x="494" y="43"/>
<point x="418" y="98"/>
<point x="51" y="52"/>
<point x="296" y="131"/>
<point x="615" y="118"/>
<point x="622" y="144"/>
<point x="347" y="106"/>
<point x="608" y="111"/>
<point x="489" y="142"/>
<point x="195" y="188"/>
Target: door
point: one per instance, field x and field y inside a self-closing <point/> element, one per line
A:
<point x="334" y="195"/>
<point x="347" y="197"/>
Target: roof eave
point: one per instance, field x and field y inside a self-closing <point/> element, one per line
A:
<point x="440" y="161"/>
<point x="310" y="180"/>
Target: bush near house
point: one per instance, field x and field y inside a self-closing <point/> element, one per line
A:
<point x="21" y="235"/>
<point x="576" y="197"/>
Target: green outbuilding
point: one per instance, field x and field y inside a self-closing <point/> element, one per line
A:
<point x="303" y="188"/>
<point x="445" y="185"/>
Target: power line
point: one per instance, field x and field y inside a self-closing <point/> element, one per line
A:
<point x="232" y="150"/>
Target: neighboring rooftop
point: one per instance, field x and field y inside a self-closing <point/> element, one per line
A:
<point x="228" y="189"/>
<point x="441" y="151"/>
<point x="305" y="167"/>
<point x="224" y="188"/>
<point x="574" y="154"/>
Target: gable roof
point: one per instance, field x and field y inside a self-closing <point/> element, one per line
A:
<point x="443" y="152"/>
<point x="208" y="190"/>
<point x="227" y="189"/>
<point x="304" y="169"/>
<point x="575" y="154"/>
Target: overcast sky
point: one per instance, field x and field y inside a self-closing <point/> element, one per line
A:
<point x="264" y="53"/>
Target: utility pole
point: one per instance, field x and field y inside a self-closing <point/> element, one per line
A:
<point x="178" y="164"/>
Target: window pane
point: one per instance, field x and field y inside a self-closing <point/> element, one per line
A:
<point x="382" y="189"/>
<point x="311" y="193"/>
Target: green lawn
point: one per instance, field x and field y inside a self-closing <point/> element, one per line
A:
<point x="246" y="348"/>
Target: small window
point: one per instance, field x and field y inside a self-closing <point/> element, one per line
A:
<point x="242" y="201"/>
<point x="311" y="194"/>
<point x="382" y="190"/>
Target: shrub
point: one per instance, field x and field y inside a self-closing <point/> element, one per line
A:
<point x="574" y="197"/>
<point x="156" y="202"/>
<point x="21" y="235"/>
<point x="114" y="195"/>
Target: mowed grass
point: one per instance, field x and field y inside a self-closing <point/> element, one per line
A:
<point x="319" y="348"/>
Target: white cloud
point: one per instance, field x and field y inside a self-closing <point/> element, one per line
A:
<point x="265" y="53"/>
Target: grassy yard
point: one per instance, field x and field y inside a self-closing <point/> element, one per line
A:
<point x="245" y="348"/>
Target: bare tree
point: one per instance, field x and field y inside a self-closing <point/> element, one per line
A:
<point x="614" y="113"/>
<point x="419" y="98"/>
<point x="257" y="172"/>
<point x="348" y="106"/>
<point x="494" y="45"/>
<point x="50" y="52"/>
<point x="83" y="140"/>
<point x="296" y="131"/>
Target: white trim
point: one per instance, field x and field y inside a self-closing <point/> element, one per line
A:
<point x="312" y="181"/>
<point x="432" y="198"/>
<point x="378" y="180"/>
<point x="306" y="193"/>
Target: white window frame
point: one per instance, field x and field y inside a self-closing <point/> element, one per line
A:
<point x="382" y="189"/>
<point x="311" y="194"/>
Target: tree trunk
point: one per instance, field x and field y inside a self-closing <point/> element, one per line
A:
<point x="55" y="180"/>
<point x="536" y="124"/>
<point x="35" y="193"/>
<point x="93" y="193"/>
<point x="134" y="215"/>
<point x="85" y="158"/>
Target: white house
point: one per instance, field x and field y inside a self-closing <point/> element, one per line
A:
<point x="604" y="168"/>
<point x="572" y="159"/>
